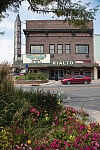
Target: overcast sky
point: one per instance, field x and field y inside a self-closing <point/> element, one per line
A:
<point x="7" y="25"/>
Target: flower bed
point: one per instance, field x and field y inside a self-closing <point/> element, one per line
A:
<point x="34" y="82"/>
<point x="67" y="129"/>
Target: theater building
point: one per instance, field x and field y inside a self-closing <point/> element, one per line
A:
<point x="57" y="48"/>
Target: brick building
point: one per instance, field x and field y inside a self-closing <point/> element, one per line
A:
<point x="57" y="48"/>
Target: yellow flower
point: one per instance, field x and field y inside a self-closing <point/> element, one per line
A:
<point x="46" y="114"/>
<point x="58" y="103"/>
<point x="89" y="128"/>
<point x="88" y="131"/>
<point x="17" y="141"/>
<point x="29" y="141"/>
<point x="70" y="136"/>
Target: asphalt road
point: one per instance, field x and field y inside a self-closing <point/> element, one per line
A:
<point x="76" y="95"/>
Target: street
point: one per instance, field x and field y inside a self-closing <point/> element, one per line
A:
<point x="76" y="95"/>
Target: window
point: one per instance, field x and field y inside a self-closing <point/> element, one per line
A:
<point x="67" y="49"/>
<point x="44" y="70"/>
<point x="51" y="48"/>
<point x="68" y="71"/>
<point x="34" y="71"/>
<point x="61" y="73"/>
<point x="82" y="49"/>
<point x="76" y="77"/>
<point x="37" y="49"/>
<point x="59" y="49"/>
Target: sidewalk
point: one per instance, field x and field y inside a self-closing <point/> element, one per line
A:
<point x="94" y="115"/>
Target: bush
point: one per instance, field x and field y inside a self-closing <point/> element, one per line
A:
<point x="33" y="76"/>
<point x="41" y="76"/>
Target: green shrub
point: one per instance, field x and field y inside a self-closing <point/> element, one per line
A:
<point x="42" y="76"/>
<point x="33" y="76"/>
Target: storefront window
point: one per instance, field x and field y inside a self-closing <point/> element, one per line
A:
<point x="61" y="73"/>
<point x="44" y="70"/>
<point x="68" y="71"/>
<point x="34" y="71"/>
<point x="52" y="73"/>
<point x="88" y="73"/>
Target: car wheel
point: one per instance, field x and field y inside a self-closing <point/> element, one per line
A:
<point x="68" y="82"/>
<point x="85" y="82"/>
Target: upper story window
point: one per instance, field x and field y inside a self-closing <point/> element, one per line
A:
<point x="67" y="49"/>
<point x="82" y="49"/>
<point x="51" y="48"/>
<point x="59" y="49"/>
<point x="37" y="49"/>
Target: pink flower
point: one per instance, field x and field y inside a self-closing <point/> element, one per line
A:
<point x="53" y="124"/>
<point x="38" y="114"/>
<point x="31" y="110"/>
<point x="59" y="141"/>
<point x="46" y="139"/>
<point x="34" y="120"/>
<point x="65" y="142"/>
<point x="37" y="142"/>
<point x="21" y="144"/>
<point x="97" y="144"/>
<point x="42" y="146"/>
<point x="52" y="145"/>
<point x="55" y="141"/>
<point x="68" y="144"/>
<point x="64" y="127"/>
<point x="57" y="145"/>
<point x="67" y="132"/>
<point x="70" y="131"/>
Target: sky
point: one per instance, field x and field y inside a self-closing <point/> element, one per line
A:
<point x="7" y="25"/>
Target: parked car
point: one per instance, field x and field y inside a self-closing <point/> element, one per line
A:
<point x="19" y="74"/>
<point x="77" y="79"/>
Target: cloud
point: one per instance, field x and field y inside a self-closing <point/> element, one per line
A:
<point x="6" y="50"/>
<point x="6" y="24"/>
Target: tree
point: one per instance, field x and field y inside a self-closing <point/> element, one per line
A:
<point x="75" y="13"/>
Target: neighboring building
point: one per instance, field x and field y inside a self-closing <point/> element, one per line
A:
<point x="17" y="39"/>
<point x="97" y="55"/>
<point x="57" y="48"/>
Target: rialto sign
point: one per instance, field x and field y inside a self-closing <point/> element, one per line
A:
<point x="63" y="62"/>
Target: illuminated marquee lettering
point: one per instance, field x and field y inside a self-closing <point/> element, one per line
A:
<point x="62" y="62"/>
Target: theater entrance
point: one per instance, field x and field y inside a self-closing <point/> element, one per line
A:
<point x="56" y="73"/>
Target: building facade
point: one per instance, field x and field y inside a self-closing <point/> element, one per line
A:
<point x="57" y="48"/>
<point x="97" y="55"/>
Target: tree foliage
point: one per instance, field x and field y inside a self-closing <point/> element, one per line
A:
<point x="75" y="12"/>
